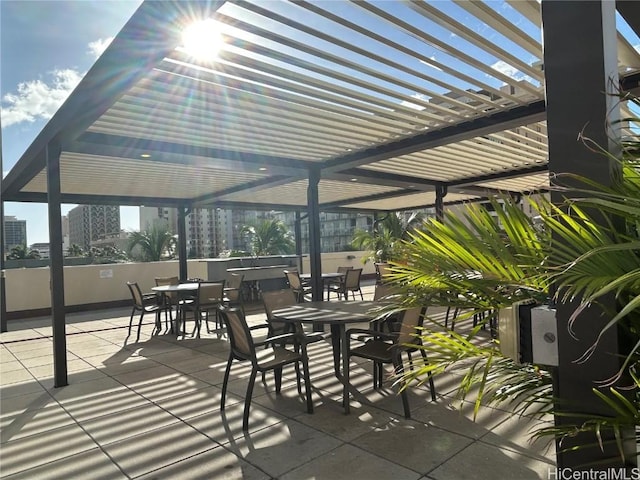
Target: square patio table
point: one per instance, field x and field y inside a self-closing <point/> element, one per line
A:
<point x="337" y="315"/>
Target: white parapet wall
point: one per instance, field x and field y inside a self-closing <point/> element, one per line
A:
<point x="331" y="262"/>
<point x="27" y="289"/>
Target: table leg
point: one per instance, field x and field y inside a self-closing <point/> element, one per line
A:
<point x="339" y="345"/>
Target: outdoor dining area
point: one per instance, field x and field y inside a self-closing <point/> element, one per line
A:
<point x="499" y="129"/>
<point x="153" y="408"/>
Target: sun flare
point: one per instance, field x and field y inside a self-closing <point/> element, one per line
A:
<point x="202" y="39"/>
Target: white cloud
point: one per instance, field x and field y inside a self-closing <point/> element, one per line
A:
<point x="507" y="69"/>
<point x="415" y="106"/>
<point x="96" y="48"/>
<point x="38" y="100"/>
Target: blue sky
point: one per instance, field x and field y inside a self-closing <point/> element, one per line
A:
<point x="46" y="47"/>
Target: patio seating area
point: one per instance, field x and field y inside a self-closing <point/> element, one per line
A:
<point x="151" y="409"/>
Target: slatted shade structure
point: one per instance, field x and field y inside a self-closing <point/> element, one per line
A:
<point x="389" y="100"/>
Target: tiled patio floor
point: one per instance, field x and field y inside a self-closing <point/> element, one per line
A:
<point x="151" y="410"/>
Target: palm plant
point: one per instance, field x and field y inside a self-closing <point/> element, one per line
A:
<point x="579" y="247"/>
<point x="269" y="237"/>
<point x="154" y="244"/>
<point x="384" y="239"/>
<point x="478" y="263"/>
<point x="20" y="252"/>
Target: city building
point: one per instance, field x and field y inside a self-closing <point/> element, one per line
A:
<point x="93" y="223"/>
<point x="209" y="231"/>
<point x="213" y="231"/>
<point x="155" y="216"/>
<point x="42" y="248"/>
<point x="15" y="232"/>
<point x="65" y="233"/>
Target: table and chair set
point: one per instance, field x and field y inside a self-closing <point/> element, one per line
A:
<point x="292" y="324"/>
<point x="195" y="298"/>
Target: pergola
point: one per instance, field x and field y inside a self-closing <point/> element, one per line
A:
<point x="310" y="106"/>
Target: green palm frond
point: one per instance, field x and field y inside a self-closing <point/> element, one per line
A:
<point x="269" y="237"/>
<point x="500" y="262"/>
<point x="155" y="244"/>
<point x="626" y="415"/>
<point x="485" y="372"/>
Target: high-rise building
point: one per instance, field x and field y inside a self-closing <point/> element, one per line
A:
<point x="93" y="223"/>
<point x="152" y="216"/>
<point x="212" y="231"/>
<point x="336" y="229"/>
<point x="15" y="232"/>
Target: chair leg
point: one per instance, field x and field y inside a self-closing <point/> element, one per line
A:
<point x="225" y="381"/>
<point x="159" y="321"/>
<point x="456" y="311"/>
<point x="307" y="381"/>
<point x="198" y="322"/>
<point x="247" y="401"/>
<point x="399" y="368"/>
<point x="139" y="326"/>
<point x="131" y="321"/>
<point x="277" y="373"/>
<point x="432" y="386"/>
<point x="170" y="310"/>
<point x="297" y="367"/>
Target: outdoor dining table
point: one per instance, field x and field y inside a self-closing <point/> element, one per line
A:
<point x="181" y="289"/>
<point x="337" y="315"/>
<point x="326" y="277"/>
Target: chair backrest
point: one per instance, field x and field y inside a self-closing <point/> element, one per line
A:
<point x="239" y="334"/>
<point x="210" y="294"/>
<point x="276" y="299"/>
<point x="234" y="287"/>
<point x="344" y="269"/>
<point x="167" y="281"/>
<point x="235" y="280"/>
<point x="352" y="278"/>
<point x="382" y="269"/>
<point x="136" y="293"/>
<point x="412" y="320"/>
<point x="383" y="291"/>
<point x="293" y="277"/>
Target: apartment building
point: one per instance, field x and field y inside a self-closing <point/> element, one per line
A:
<point x="89" y="224"/>
<point x="15" y="232"/>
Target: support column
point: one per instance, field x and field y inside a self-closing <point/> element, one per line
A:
<point x="315" y="260"/>
<point x="580" y="64"/>
<point x="56" y="259"/>
<point x="297" y="227"/>
<point x="182" y="243"/>
<point x="441" y="192"/>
